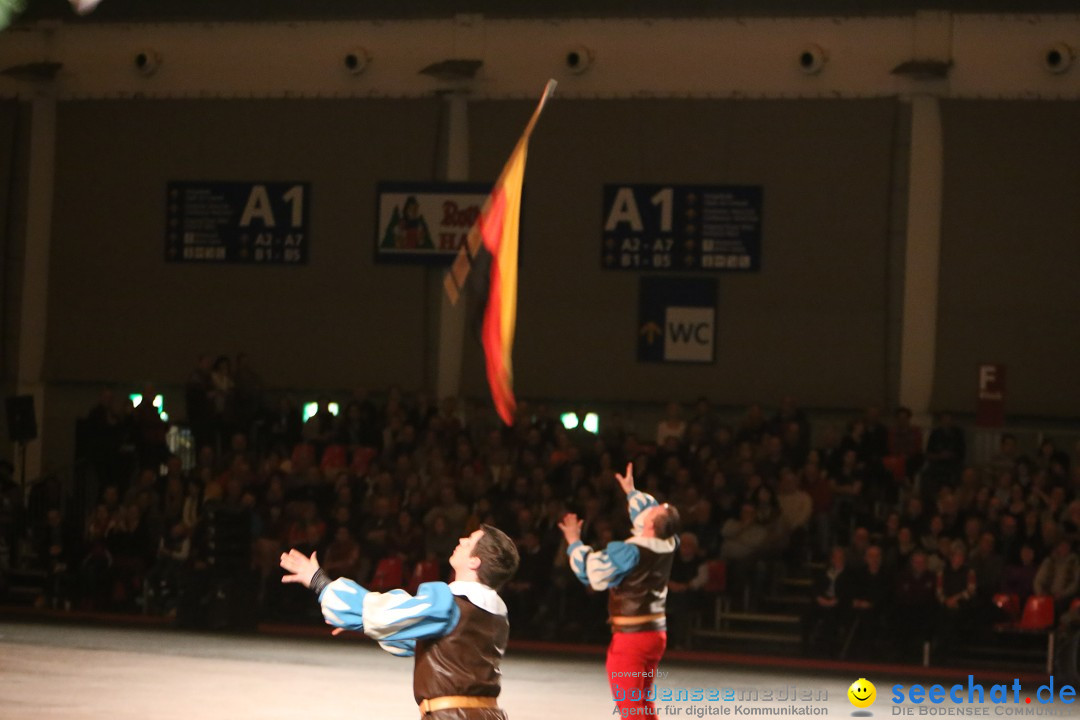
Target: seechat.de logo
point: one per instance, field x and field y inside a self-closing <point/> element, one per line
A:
<point x="974" y="693"/>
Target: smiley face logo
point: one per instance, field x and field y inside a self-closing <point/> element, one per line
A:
<point x="862" y="693"/>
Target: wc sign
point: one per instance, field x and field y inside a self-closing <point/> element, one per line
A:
<point x="677" y="320"/>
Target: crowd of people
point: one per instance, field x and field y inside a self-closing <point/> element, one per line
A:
<point x="904" y="538"/>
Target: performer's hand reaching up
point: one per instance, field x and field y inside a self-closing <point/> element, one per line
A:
<point x="300" y="566"/>
<point x="626" y="482"/>
<point x="571" y="528"/>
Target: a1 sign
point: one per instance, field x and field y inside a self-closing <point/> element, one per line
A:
<point x="259" y="208"/>
<point x="687" y="228"/>
<point x="238" y="222"/>
<point x="990" y="407"/>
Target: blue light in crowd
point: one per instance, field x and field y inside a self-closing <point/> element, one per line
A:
<point x="313" y="407"/>
<point x="592" y="423"/>
<point x="158" y="402"/>
<point x="570" y="421"/>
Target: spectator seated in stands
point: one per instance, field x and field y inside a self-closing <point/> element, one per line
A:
<point x="57" y="551"/>
<point x="163" y="579"/>
<point x="342" y="558"/>
<point x="1059" y="576"/>
<point x="1019" y="577"/>
<point x="956" y="588"/>
<point x="527" y="594"/>
<point x="689" y="574"/>
<point x="796" y="509"/>
<point x="403" y="478"/>
<point x="672" y="426"/>
<point x="871" y="603"/>
<point x="830" y="611"/>
<point x="914" y="607"/>
<point x="745" y="540"/>
<point x="849" y="503"/>
<point x="989" y="569"/>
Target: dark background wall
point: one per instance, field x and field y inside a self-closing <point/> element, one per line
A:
<point x="810" y="323"/>
<point x="14" y="136"/>
<point x="194" y="10"/>
<point x="118" y="312"/>
<point x="1010" y="258"/>
<point x="813" y="323"/>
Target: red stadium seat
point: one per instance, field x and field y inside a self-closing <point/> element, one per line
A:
<point x="425" y="571"/>
<point x="388" y="574"/>
<point x="1038" y="613"/>
<point x="897" y="465"/>
<point x="333" y="457"/>
<point x="1074" y="604"/>
<point x="303" y="450"/>
<point x="716" y="573"/>
<point x="361" y="458"/>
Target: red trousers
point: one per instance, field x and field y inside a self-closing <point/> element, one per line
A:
<point x="632" y="659"/>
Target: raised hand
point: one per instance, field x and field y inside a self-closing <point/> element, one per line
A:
<point x="300" y="566"/>
<point x="571" y="528"/>
<point x="626" y="482"/>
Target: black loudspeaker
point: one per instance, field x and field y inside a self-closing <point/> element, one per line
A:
<point x="22" y="425"/>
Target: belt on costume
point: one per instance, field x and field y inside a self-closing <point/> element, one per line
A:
<point x="636" y="619"/>
<point x="449" y="702"/>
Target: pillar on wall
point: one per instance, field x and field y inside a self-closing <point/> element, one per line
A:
<point x="33" y="312"/>
<point x="452" y="318"/>
<point x="922" y="256"/>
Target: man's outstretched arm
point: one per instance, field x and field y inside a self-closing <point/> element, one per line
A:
<point x="396" y="619"/>
<point x="637" y="502"/>
<point x="598" y="569"/>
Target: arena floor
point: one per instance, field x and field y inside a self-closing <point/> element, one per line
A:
<point x="93" y="673"/>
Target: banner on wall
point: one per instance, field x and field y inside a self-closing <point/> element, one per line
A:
<point x="990" y="405"/>
<point x="263" y="223"/>
<point x="682" y="228"/>
<point x="425" y="222"/>
<point x="677" y="320"/>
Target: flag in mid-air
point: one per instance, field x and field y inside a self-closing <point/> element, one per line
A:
<point x="83" y="7"/>
<point x="8" y="10"/>
<point x="494" y="240"/>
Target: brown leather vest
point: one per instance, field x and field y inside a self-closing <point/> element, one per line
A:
<point x="465" y="662"/>
<point x="643" y="591"/>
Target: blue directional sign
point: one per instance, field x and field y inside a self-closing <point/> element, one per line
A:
<point x="677" y="320"/>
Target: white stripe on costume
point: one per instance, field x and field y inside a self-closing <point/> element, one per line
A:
<point x="637" y="503"/>
<point x="340" y="606"/>
<point x="599" y="569"/>
<point x="333" y="599"/>
<point x="578" y="553"/>
<point x="386" y="614"/>
<point x="405" y="648"/>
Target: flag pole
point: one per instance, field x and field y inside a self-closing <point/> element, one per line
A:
<point x="495" y="233"/>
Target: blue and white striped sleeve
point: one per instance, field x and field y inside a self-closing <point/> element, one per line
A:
<point x="396" y="619"/>
<point x="638" y="502"/>
<point x="604" y="568"/>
